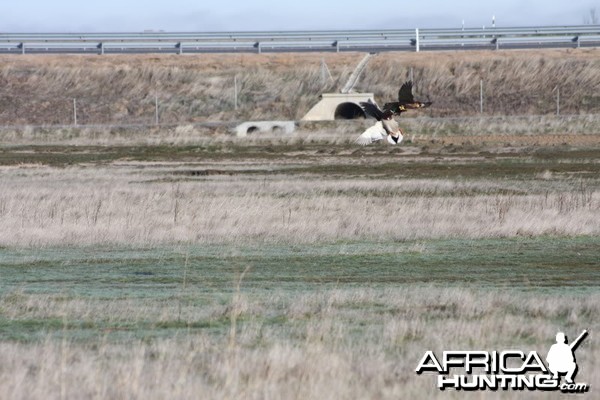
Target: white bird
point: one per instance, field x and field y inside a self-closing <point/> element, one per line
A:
<point x="386" y="126"/>
<point x="374" y="134"/>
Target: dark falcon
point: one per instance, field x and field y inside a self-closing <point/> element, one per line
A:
<point x="406" y="100"/>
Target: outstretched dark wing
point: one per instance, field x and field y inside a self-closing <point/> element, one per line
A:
<point x="405" y="94"/>
<point x="372" y="110"/>
<point x="406" y="100"/>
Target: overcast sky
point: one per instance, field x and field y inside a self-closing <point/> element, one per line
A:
<point x="239" y="15"/>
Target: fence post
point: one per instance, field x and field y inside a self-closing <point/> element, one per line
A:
<point x="557" y="100"/>
<point x="156" y="109"/>
<point x="481" y="96"/>
<point x="411" y="74"/>
<point x="75" y="112"/>
<point x="235" y="93"/>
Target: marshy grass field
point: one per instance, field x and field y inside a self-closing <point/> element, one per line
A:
<point x="168" y="262"/>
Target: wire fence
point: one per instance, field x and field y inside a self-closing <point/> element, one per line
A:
<point x="158" y="109"/>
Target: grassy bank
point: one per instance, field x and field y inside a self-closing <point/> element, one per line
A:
<point x="39" y="90"/>
<point x="548" y="130"/>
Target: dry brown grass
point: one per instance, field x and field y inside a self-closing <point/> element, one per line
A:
<point x="548" y="130"/>
<point x="122" y="204"/>
<point x="116" y="89"/>
<point x="319" y="353"/>
<point x="515" y="82"/>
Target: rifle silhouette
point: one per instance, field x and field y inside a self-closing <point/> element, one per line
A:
<point x="579" y="339"/>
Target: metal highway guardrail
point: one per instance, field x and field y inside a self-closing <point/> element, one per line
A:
<point x="302" y="41"/>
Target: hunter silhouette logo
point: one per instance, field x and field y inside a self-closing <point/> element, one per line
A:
<point x="508" y="369"/>
<point x="561" y="357"/>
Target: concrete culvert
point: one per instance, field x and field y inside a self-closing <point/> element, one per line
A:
<point x="348" y="111"/>
<point x="251" y="129"/>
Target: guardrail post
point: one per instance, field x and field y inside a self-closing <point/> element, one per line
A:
<point x="180" y="48"/>
<point x="258" y="47"/>
<point x="23" y="48"/>
<point x="101" y="47"/>
<point x="417" y="44"/>
<point x="337" y="46"/>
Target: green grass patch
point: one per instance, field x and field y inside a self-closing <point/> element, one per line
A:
<point x="200" y="295"/>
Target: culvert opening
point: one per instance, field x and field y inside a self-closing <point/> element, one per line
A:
<point x="348" y="111"/>
<point x="251" y="129"/>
